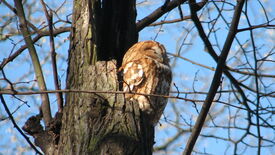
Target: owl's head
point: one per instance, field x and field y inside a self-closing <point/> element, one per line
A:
<point x="149" y="49"/>
<point x="155" y="50"/>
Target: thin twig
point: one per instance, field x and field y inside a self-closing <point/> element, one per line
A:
<point x="180" y="12"/>
<point x="49" y="17"/>
<point x="16" y="126"/>
<point x="256" y="83"/>
<point x="35" y="39"/>
<point x="15" y="12"/>
<point x="229" y="68"/>
<point x="170" y="21"/>
<point x="10" y="92"/>
<point x="193" y="62"/>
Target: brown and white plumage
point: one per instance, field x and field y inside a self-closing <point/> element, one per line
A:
<point x="146" y="70"/>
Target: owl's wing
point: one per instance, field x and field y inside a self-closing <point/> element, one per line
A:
<point x="133" y="75"/>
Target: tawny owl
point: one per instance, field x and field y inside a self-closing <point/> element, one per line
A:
<point x="146" y="70"/>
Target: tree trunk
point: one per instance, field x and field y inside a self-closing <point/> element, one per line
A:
<point x="101" y="123"/>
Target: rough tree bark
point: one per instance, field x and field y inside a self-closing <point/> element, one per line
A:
<point x="101" y="123"/>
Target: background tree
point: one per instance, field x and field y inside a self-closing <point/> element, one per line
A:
<point x="237" y="40"/>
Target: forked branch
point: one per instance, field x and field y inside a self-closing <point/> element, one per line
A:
<point x="36" y="64"/>
<point x="218" y="73"/>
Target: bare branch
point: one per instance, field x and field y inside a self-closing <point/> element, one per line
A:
<point x="170" y="21"/>
<point x="16" y="126"/>
<point x="16" y="13"/>
<point x="193" y="62"/>
<point x="49" y="17"/>
<point x="15" y="92"/>
<point x="256" y="27"/>
<point x="35" y="60"/>
<point x="168" y="6"/>
<point x="257" y="85"/>
<point x="35" y="39"/>
<point x="217" y="76"/>
<point x="229" y="68"/>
